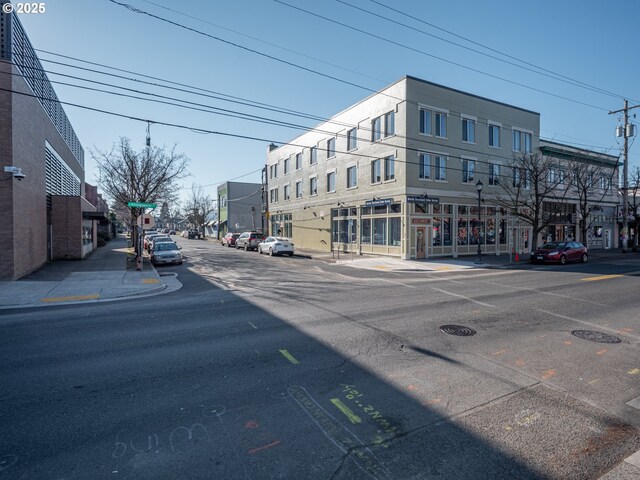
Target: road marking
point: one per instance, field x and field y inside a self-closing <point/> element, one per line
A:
<point x="601" y="352"/>
<point x="289" y="357"/>
<point x="594" y="325"/>
<point x="499" y="352"/>
<point x="353" y="418"/>
<point x="462" y="296"/>
<point x="72" y="298"/>
<point x="150" y="280"/>
<point x="396" y="283"/>
<point x="600" y="277"/>
<point x="634" y="371"/>
<point x="253" y="325"/>
<point x="542" y="292"/>
<point x="264" y="447"/>
<point x="635" y="403"/>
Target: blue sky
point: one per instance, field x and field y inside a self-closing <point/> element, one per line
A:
<point x="587" y="41"/>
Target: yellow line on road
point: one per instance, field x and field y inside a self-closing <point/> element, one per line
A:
<point x="353" y="418"/>
<point x="71" y="298"/>
<point x="600" y="277"/>
<point x="288" y="356"/>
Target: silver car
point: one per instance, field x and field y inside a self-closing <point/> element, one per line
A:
<point x="166" y="252"/>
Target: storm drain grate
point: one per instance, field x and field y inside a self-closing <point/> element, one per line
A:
<point x="593" y="336"/>
<point x="458" y="330"/>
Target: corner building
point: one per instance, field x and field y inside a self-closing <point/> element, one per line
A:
<point x="44" y="215"/>
<point x="396" y="174"/>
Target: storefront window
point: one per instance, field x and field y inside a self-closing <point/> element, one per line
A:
<point x="365" y="231"/>
<point x="491" y="231"/>
<point x="463" y="210"/>
<point x="437" y="232"/>
<point x="420" y="208"/>
<point x="381" y="210"/>
<point x="394" y="231"/>
<point x="462" y="232"/>
<point x="474" y="232"/>
<point x="447" y="209"/>
<point x="87" y="235"/>
<point x="380" y="231"/>
<point x="366" y="210"/>
<point x="446" y="231"/>
<point x="503" y="232"/>
<point x="395" y="208"/>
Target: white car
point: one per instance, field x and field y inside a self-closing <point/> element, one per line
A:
<point x="166" y="252"/>
<point x="276" y="246"/>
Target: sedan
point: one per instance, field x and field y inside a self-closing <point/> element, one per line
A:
<point x="157" y="239"/>
<point x="229" y="239"/>
<point x="560" y="252"/>
<point x="276" y="246"/>
<point x="166" y="252"/>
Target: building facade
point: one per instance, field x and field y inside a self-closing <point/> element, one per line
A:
<point x="37" y="138"/>
<point x="239" y="207"/>
<point x="396" y="174"/>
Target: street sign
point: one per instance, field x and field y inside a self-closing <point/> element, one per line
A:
<point x="422" y="199"/>
<point x="141" y="205"/>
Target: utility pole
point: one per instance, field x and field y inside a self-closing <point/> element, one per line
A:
<point x="627" y="130"/>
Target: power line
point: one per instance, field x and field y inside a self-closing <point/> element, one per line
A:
<point x="543" y="71"/>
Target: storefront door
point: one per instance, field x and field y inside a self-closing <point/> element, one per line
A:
<point x="421" y="242"/>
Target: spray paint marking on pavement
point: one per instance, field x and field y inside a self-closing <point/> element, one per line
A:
<point x="72" y="298"/>
<point x="289" y="357"/>
<point x="353" y="418"/>
<point x="600" y="277"/>
<point x="264" y="447"/>
<point x="253" y="325"/>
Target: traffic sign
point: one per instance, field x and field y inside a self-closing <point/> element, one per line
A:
<point x="141" y="205"/>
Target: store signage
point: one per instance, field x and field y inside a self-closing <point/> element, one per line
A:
<point x="422" y="199"/>
<point x="420" y="221"/>
<point x="378" y="203"/>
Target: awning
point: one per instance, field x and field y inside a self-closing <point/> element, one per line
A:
<point x="100" y="216"/>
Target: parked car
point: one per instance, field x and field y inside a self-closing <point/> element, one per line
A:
<point x="184" y="234"/>
<point x="276" y="246"/>
<point x="172" y="232"/>
<point x="147" y="239"/>
<point x="560" y="252"/>
<point x="249" y="240"/>
<point x="193" y="234"/>
<point x="158" y="239"/>
<point x="166" y="252"/>
<point x="229" y="239"/>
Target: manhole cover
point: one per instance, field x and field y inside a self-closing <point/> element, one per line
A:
<point x="458" y="330"/>
<point x="595" y="336"/>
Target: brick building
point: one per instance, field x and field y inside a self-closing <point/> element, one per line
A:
<point x="37" y="140"/>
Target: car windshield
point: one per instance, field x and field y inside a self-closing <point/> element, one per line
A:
<point x="161" y="239"/>
<point x="282" y="239"/>
<point x="553" y="246"/>
<point x="166" y="246"/>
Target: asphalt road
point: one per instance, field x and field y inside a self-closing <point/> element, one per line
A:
<point x="268" y="367"/>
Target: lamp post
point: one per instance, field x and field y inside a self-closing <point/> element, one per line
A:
<point x="479" y="189"/>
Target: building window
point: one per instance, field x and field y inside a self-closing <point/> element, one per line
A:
<point x="389" y="124"/>
<point x="331" y="182"/>
<point x="561" y="176"/>
<point x="286" y="166"/>
<point x="441" y="124"/>
<point x="395" y="227"/>
<point x="494" y="174"/>
<point x="352" y="177"/>
<point x="365" y="231"/>
<point x="522" y="141"/>
<point x="425" y="121"/>
<point x="516" y="178"/>
<point x="298" y="161"/>
<point x="376" y="174"/>
<point x="603" y="183"/>
<point x="552" y="176"/>
<point x="273" y="171"/>
<point x="379" y="231"/>
<point x="468" y="130"/>
<point x="352" y="139"/>
<point x="494" y="136"/>
<point x="376" y="129"/>
<point x="313" y="156"/>
<point x="313" y="186"/>
<point x="331" y="147"/>
<point x="390" y="168"/>
<point x="299" y="189"/>
<point x="441" y="168"/>
<point x="468" y="170"/>
<point x="273" y="195"/>
<point x="425" y="166"/>
<point x="286" y="193"/>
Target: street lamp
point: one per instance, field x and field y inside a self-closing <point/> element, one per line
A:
<point x="479" y="189"/>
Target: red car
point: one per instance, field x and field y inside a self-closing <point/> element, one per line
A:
<point x="560" y="252"/>
<point x="229" y="239"/>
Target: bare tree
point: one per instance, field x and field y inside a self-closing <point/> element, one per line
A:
<point x="592" y="183"/>
<point x="198" y="207"/>
<point x="534" y="192"/>
<point x="147" y="176"/>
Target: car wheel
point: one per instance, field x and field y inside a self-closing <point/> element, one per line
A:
<point x="271" y="251"/>
<point x="237" y="247"/>
<point x="291" y="254"/>
<point x="260" y="250"/>
<point x="563" y="259"/>
<point x="584" y="258"/>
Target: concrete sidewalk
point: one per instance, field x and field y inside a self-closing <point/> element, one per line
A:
<point x="103" y="276"/>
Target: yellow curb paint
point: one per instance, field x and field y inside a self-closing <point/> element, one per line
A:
<point x="289" y="357"/>
<point x="71" y="298"/>
<point x="150" y="280"/>
<point x="443" y="269"/>
<point x="634" y="371"/>
<point x="600" y="277"/>
<point x="353" y="418"/>
<point x="380" y="267"/>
